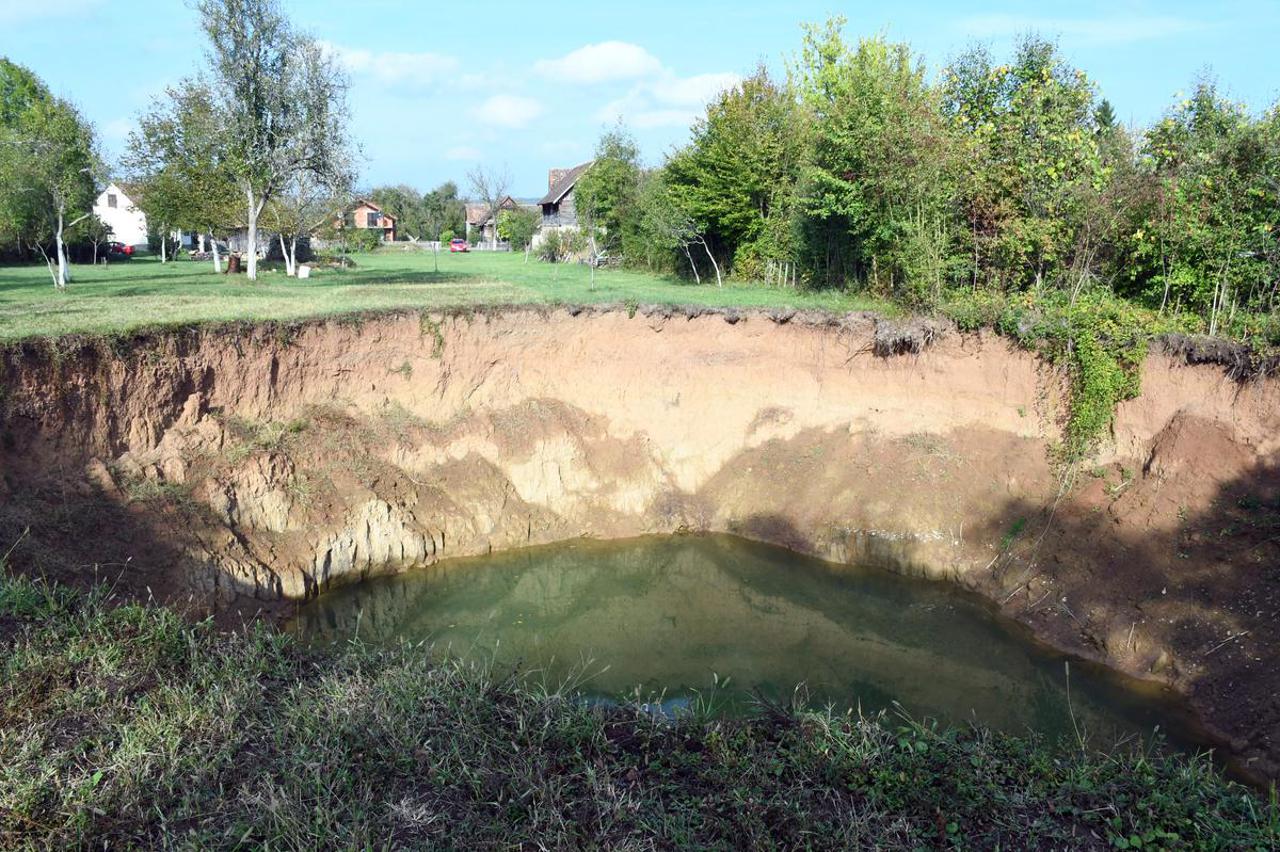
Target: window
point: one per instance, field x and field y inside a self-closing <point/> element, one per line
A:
<point x="373" y="220"/>
<point x="111" y="199"/>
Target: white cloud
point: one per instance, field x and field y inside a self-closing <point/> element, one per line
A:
<point x="609" y="61"/>
<point x="14" y="12"/>
<point x="413" y="71"/>
<point x="511" y="111"/>
<point x="1103" y="31"/>
<point x="697" y="90"/>
<point x="462" y="153"/>
<point x="668" y="101"/>
<point x="648" y="119"/>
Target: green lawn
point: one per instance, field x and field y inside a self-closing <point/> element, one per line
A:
<point x="143" y="292"/>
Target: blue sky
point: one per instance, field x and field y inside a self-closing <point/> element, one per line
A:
<point x="531" y="85"/>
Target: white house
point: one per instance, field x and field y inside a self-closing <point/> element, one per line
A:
<point x="128" y="224"/>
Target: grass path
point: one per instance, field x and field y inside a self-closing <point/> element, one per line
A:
<point x="143" y="292"/>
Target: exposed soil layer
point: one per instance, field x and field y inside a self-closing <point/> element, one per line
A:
<point x="237" y="468"/>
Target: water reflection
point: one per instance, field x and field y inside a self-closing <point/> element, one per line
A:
<point x="671" y="617"/>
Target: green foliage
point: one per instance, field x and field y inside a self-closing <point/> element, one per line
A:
<point x="1027" y="147"/>
<point x="664" y="229"/>
<point x="1100" y="340"/>
<point x="178" y="162"/>
<point x="733" y="186"/>
<point x="605" y="194"/>
<point x="551" y="249"/>
<point x="364" y="239"/>
<point x="48" y="165"/>
<point x="874" y="190"/>
<point x="1011" y="535"/>
<point x="425" y="216"/>
<point x="1206" y="235"/>
<point x="518" y="226"/>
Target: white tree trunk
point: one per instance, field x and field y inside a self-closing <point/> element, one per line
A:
<point x="63" y="276"/>
<point x="217" y="263"/>
<point x="714" y="265"/>
<point x="697" y="279"/>
<point x="164" y="240"/>
<point x="251" y="243"/>
<point x="284" y="251"/>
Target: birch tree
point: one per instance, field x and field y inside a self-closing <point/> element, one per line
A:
<point x="306" y="205"/>
<point x="281" y="99"/>
<point x="49" y="167"/>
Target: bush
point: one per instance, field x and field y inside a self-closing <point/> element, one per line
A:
<point x="551" y="247"/>
<point x="364" y="239"/>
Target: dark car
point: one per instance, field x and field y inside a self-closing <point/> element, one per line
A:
<point x="458" y="244"/>
<point x="117" y="251"/>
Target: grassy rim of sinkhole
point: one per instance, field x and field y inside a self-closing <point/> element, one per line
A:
<point x="124" y="724"/>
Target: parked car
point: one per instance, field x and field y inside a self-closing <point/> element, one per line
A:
<point x="458" y="244"/>
<point x="117" y="251"/>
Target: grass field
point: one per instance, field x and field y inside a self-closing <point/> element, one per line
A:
<point x="142" y="292"/>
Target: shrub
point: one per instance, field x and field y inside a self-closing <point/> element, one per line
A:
<point x="552" y="247"/>
<point x="364" y="239"/>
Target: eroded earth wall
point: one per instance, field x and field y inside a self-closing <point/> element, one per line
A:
<point x="226" y="464"/>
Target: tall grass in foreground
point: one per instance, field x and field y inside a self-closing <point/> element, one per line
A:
<point x="126" y="725"/>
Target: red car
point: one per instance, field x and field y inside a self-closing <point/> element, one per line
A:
<point x="458" y="244"/>
<point x="117" y="251"/>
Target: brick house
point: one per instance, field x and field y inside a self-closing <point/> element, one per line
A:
<point x="367" y="215"/>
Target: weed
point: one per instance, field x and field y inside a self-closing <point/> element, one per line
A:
<point x="144" y="489"/>
<point x="250" y="437"/>
<point x="428" y="327"/>
<point x="1011" y="534"/>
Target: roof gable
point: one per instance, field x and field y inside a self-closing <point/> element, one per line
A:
<point x="123" y="198"/>
<point x="478" y="211"/>
<point x="562" y="187"/>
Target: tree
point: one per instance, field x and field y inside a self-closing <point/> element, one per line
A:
<point x="1028" y="147"/>
<point x="96" y="232"/>
<point x="491" y="188"/>
<point x="518" y="227"/>
<point x="408" y="206"/>
<point x="666" y="226"/>
<point x="1104" y="117"/>
<point x="605" y="193"/>
<point x="738" y="174"/>
<point x="48" y="166"/>
<point x="282" y="100"/>
<point x="179" y="159"/>
<point x="874" y="182"/>
<point x="303" y="207"/>
<point x="1206" y="238"/>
